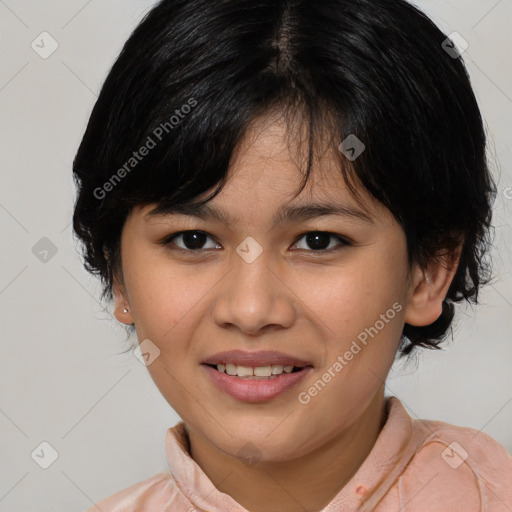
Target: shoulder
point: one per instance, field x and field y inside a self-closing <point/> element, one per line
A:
<point x="460" y="468"/>
<point x="154" y="493"/>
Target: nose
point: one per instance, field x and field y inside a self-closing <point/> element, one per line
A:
<point x="254" y="297"/>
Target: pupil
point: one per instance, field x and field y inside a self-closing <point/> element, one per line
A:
<point x="312" y="240"/>
<point x="194" y="239"/>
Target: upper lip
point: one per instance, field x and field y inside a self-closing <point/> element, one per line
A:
<point x="260" y="358"/>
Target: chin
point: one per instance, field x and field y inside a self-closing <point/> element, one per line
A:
<point x="251" y="447"/>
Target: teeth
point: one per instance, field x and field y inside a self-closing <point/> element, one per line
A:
<point x="258" y="371"/>
<point x="277" y="369"/>
<point x="230" y="369"/>
<point x="263" y="371"/>
<point x="244" y="371"/>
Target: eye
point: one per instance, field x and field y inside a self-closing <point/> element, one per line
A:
<point x="194" y="241"/>
<point x="319" y="241"/>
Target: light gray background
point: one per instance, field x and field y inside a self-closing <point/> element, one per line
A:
<point x="62" y="380"/>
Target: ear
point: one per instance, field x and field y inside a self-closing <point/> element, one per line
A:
<point x="121" y="303"/>
<point x="429" y="287"/>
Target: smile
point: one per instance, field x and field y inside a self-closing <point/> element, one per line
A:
<point x="268" y="371"/>
<point x="244" y="384"/>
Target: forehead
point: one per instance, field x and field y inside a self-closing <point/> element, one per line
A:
<point x="264" y="176"/>
<point x="271" y="160"/>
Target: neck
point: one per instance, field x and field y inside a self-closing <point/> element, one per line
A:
<point x="309" y="482"/>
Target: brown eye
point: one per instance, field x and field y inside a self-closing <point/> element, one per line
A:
<point x="319" y="241"/>
<point x="195" y="240"/>
<point x="191" y="240"/>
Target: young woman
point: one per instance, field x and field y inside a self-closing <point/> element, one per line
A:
<point x="279" y="198"/>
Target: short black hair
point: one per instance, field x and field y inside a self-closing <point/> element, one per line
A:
<point x="195" y="74"/>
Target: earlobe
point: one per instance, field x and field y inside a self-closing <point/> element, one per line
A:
<point x="428" y="290"/>
<point x="122" y="310"/>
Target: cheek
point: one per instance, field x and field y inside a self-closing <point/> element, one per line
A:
<point x="352" y="298"/>
<point x="162" y="294"/>
<point x="361" y="307"/>
<point x="168" y="303"/>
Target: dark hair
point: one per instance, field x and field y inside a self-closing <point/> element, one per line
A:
<point x="195" y="74"/>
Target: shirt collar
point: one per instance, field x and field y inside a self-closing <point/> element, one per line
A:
<point x="392" y="451"/>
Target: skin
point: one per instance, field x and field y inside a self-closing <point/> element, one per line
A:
<point x="307" y="303"/>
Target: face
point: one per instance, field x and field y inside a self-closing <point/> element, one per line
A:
<point x="311" y="288"/>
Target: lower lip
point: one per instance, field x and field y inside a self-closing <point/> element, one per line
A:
<point x="255" y="390"/>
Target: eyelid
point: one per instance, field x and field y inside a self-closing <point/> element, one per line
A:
<point x="344" y="241"/>
<point x="167" y="239"/>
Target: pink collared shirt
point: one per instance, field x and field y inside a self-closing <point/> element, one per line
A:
<point x="414" y="466"/>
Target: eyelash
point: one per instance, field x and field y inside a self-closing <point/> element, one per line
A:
<point x="167" y="241"/>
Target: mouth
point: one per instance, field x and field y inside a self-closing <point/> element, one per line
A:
<point x="265" y="362"/>
<point x="266" y="372"/>
<point x="255" y="376"/>
<point x="245" y="385"/>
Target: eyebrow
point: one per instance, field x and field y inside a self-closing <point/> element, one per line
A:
<point x="286" y="214"/>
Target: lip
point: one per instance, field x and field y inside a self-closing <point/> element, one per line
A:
<point x="260" y="358"/>
<point x="255" y="390"/>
